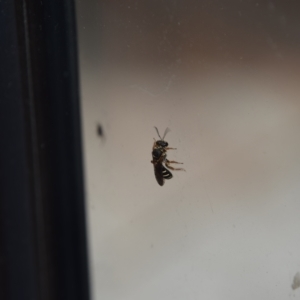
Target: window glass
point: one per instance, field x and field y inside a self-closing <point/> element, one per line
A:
<point x="224" y="77"/>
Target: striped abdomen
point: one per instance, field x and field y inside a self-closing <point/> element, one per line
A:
<point x="161" y="173"/>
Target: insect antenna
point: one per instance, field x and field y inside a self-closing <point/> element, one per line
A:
<point x="166" y="131"/>
<point x="157" y="132"/>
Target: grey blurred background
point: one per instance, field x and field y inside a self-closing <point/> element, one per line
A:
<point x="224" y="77"/>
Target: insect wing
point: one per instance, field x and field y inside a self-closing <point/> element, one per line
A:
<point x="161" y="173"/>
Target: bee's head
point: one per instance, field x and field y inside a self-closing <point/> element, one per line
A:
<point x="162" y="144"/>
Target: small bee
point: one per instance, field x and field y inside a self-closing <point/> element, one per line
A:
<point x="159" y="158"/>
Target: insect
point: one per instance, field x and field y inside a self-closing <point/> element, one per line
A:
<point x="160" y="161"/>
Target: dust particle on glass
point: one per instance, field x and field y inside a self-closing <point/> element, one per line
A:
<point x="296" y="282"/>
<point x="100" y="131"/>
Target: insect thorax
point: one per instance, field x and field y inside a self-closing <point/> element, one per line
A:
<point x="157" y="153"/>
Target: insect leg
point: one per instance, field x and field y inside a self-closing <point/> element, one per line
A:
<point x="174" y="162"/>
<point x="168" y="148"/>
<point x="154" y="144"/>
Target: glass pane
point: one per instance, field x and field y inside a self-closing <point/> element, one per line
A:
<point x="224" y="77"/>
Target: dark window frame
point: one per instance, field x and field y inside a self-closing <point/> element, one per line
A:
<point x="43" y="248"/>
